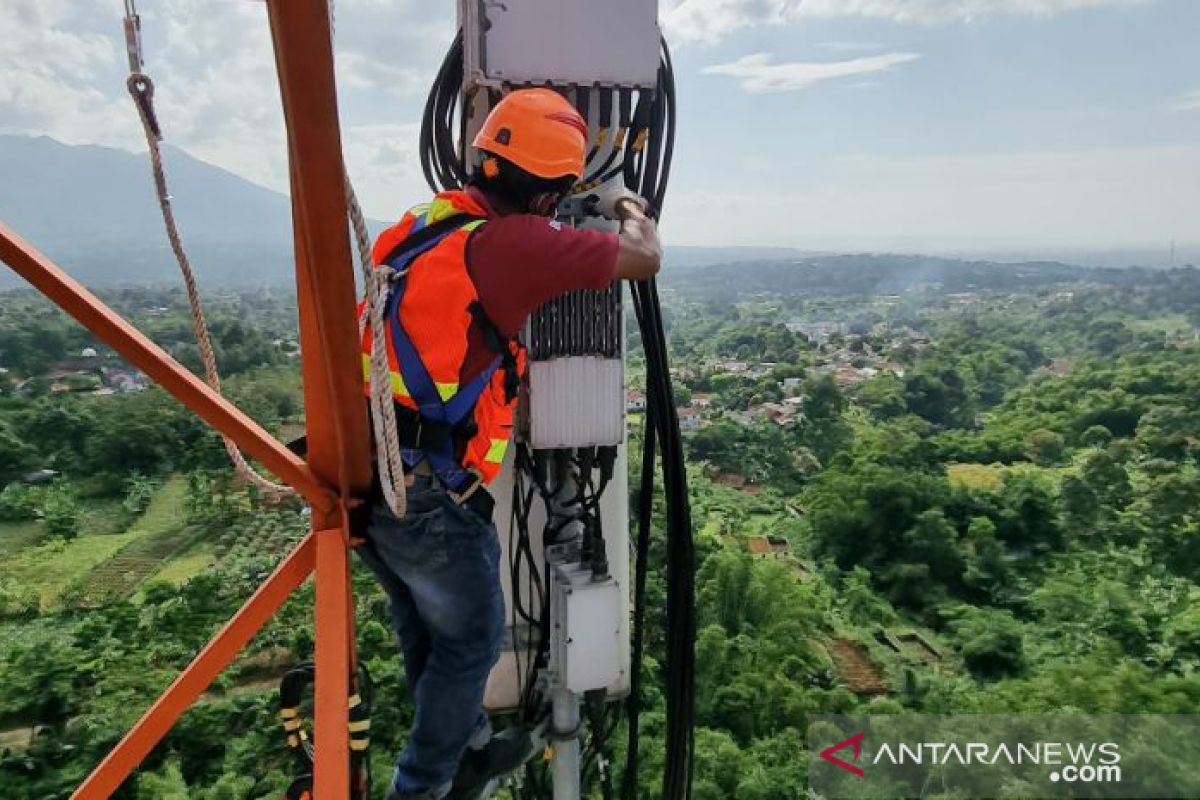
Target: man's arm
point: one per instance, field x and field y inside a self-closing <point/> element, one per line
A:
<point x="639" y="250"/>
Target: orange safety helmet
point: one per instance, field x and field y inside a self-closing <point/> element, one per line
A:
<point x="539" y="131"/>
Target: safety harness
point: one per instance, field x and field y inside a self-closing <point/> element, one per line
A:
<point x="432" y="432"/>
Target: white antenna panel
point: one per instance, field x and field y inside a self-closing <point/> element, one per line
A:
<point x="612" y="43"/>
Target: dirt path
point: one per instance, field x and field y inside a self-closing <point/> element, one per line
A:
<point x="855" y="667"/>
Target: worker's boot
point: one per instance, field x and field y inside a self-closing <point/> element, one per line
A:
<point x="506" y="751"/>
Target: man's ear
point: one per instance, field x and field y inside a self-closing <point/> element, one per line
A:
<point x="491" y="168"/>
<point x="544" y="204"/>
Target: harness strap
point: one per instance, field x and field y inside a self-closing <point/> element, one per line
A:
<point x="422" y="237"/>
<point x="499" y="344"/>
<point x="432" y="409"/>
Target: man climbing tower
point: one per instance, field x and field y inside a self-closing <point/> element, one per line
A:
<point x="473" y="264"/>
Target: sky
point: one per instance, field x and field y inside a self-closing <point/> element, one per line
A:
<point x="914" y="125"/>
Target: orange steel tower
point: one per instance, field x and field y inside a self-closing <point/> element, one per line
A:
<point x="337" y="469"/>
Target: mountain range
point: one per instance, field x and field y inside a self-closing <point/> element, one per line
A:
<point x="94" y="211"/>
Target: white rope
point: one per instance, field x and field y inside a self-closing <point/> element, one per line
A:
<point x="141" y="88"/>
<point x="376" y="287"/>
<point x="376" y="283"/>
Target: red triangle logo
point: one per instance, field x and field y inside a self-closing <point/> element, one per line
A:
<point x="854" y="741"/>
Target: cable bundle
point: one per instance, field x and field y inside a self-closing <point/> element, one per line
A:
<point x="442" y="161"/>
<point x="647" y="173"/>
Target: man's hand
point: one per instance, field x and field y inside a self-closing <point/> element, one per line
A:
<point x="639" y="252"/>
<point x="607" y="201"/>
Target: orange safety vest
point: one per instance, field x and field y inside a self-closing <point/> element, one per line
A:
<point x="430" y="309"/>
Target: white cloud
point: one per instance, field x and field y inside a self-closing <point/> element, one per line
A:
<point x="359" y="71"/>
<point x="50" y="71"/>
<point x="850" y="47"/>
<point x="709" y="21"/>
<point x="1088" y="198"/>
<point x="383" y="163"/>
<point x="63" y="68"/>
<point x="758" y="75"/>
<point x="1189" y="102"/>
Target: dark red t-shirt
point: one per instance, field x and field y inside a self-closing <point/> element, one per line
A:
<point x="520" y="261"/>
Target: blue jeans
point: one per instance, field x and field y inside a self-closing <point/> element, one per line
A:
<point x="440" y="566"/>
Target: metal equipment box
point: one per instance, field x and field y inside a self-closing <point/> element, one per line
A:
<point x="612" y="43"/>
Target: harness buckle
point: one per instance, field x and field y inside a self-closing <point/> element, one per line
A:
<point x="462" y="497"/>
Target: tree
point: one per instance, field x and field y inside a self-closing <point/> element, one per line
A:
<point x="1079" y="504"/>
<point x="167" y="784"/>
<point x="1096" y="436"/>
<point x="15" y="456"/>
<point x="823" y="399"/>
<point x="61" y="511"/>
<point x="1168" y="431"/>
<point x="991" y="643"/>
<point x="683" y="395"/>
<point x="987" y="570"/>
<point x="55" y="428"/>
<point x="932" y="541"/>
<point x="39" y="683"/>
<point x="883" y="396"/>
<point x="1107" y="479"/>
<point x="1045" y="448"/>
<point x="138" y="492"/>
<point x="939" y="396"/>
<point x="719" y="765"/>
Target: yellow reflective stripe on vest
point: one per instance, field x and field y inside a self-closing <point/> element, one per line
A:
<point x="439" y="210"/>
<point x="496" y="450"/>
<point x="399" y="389"/>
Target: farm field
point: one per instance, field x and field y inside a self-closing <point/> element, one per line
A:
<point x="98" y="564"/>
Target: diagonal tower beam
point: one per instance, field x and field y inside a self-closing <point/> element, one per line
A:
<point x="133" y="345"/>
<point x="338" y="468"/>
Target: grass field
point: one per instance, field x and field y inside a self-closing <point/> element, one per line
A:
<point x="45" y="570"/>
<point x="157" y="535"/>
<point x="182" y="568"/>
<point x="988" y="477"/>
<point x="976" y="476"/>
<point x="50" y="568"/>
<point x="16" y="536"/>
<point x="104" y="517"/>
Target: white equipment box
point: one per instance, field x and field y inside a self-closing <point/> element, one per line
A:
<point x="610" y="43"/>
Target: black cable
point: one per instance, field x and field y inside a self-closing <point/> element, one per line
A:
<point x="617" y="139"/>
<point x="647" y="172"/>
<point x="641" y="560"/>
<point x="441" y="158"/>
